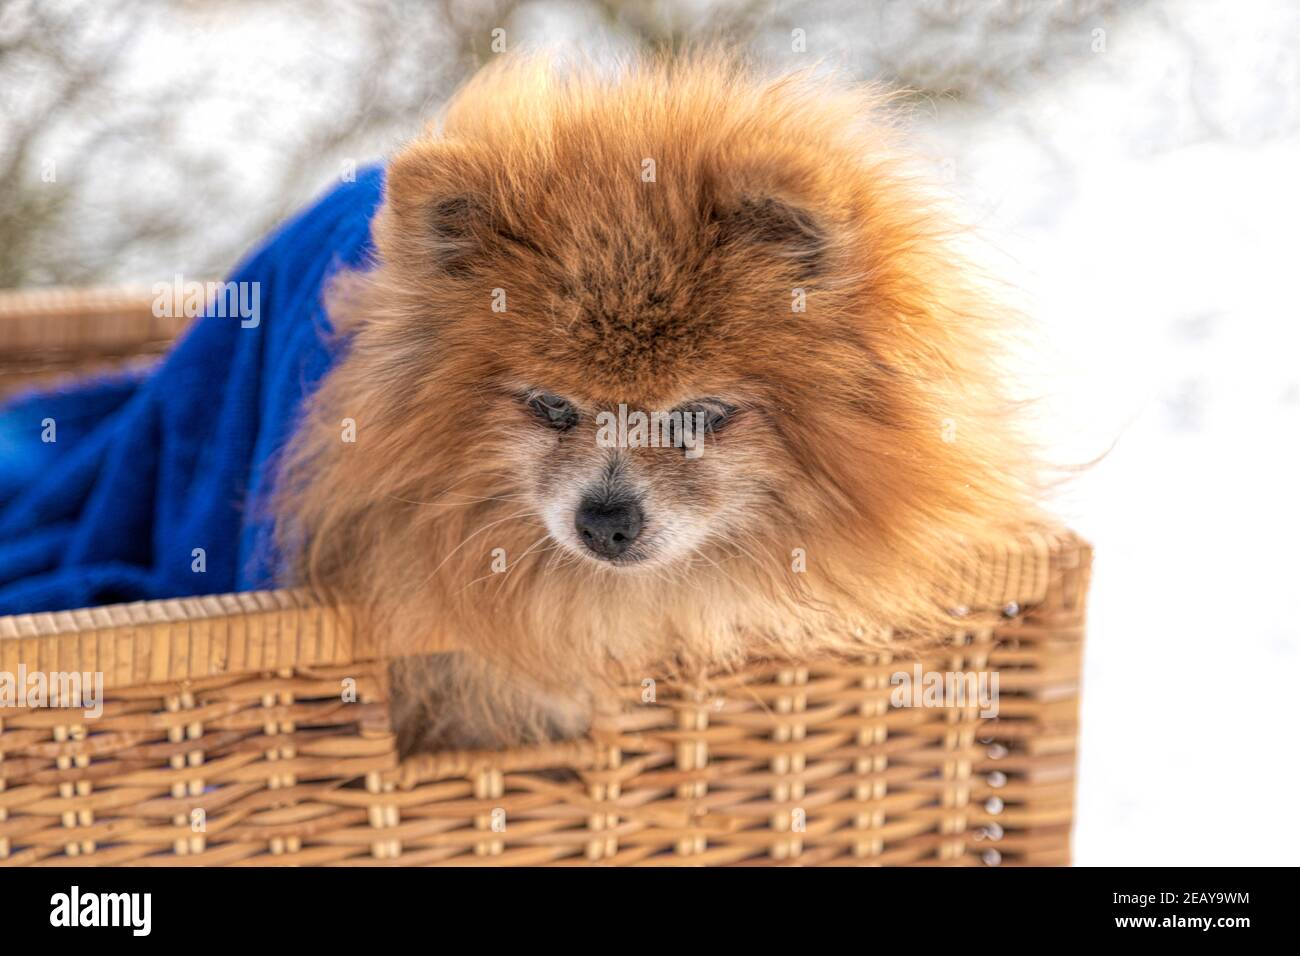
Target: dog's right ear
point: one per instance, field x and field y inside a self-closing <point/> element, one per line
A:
<point x="458" y="227"/>
<point x="436" y="219"/>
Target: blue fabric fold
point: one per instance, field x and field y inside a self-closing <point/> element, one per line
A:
<point x="146" y="469"/>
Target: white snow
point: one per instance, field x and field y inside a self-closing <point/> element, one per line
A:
<point x="1150" y="198"/>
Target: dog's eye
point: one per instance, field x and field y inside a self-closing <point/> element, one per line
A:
<point x="706" y="415"/>
<point x="558" y="413"/>
<point x="711" y="412"/>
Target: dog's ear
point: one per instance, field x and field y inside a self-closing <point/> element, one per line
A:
<point x="457" y="228"/>
<point x="776" y="227"/>
<point x="436" y="217"/>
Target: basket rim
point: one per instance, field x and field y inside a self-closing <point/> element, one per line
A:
<point x="26" y="302"/>
<point x="105" y="321"/>
<point x="191" y="638"/>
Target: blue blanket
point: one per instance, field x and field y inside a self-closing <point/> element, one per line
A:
<point x="155" y="485"/>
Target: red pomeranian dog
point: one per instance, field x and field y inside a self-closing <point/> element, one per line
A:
<point x="668" y="362"/>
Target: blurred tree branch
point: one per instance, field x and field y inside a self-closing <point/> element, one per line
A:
<point x="128" y="150"/>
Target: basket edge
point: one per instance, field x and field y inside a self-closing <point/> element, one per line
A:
<point x="191" y="638"/>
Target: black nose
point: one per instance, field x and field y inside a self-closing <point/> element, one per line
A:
<point x="608" y="528"/>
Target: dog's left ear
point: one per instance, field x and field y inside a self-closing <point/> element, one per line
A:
<point x="778" y="228"/>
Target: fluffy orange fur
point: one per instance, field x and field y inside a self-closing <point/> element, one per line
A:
<point x="873" y="447"/>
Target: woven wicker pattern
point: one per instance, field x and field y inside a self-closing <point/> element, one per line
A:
<point x="47" y="334"/>
<point x="282" y="753"/>
<point x="253" y="729"/>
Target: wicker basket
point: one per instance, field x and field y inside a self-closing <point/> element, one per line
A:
<point x="252" y="729"/>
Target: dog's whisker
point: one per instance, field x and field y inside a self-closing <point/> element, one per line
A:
<point x="475" y="534"/>
<point x="519" y="560"/>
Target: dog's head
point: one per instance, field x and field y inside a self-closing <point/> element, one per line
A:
<point x="674" y="323"/>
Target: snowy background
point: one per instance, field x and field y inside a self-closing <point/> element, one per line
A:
<point x="1134" y="165"/>
<point x="1149" y="197"/>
